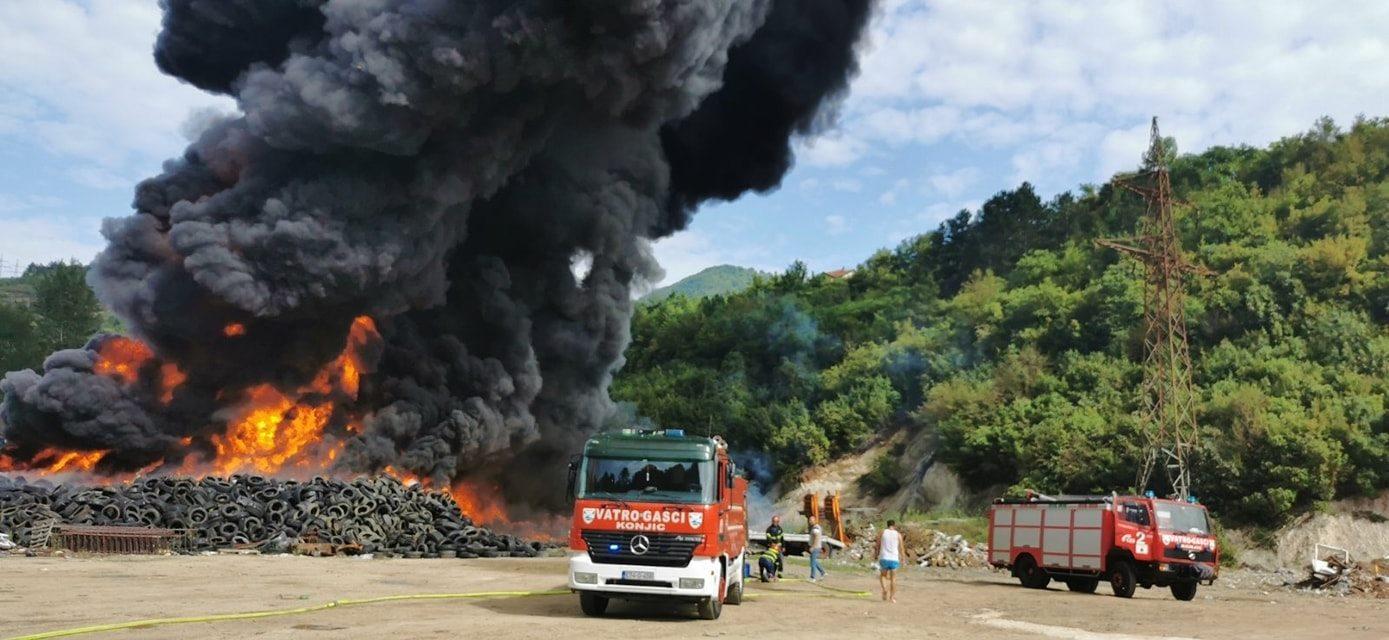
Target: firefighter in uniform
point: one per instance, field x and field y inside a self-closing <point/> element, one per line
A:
<point x="778" y="537"/>
<point x="768" y="562"/>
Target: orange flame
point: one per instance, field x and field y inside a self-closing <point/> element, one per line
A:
<point x="170" y="377"/>
<point x="274" y="429"/>
<point x="53" y="460"/>
<point x="469" y="497"/>
<point x="75" y="460"/>
<point x="271" y="431"/>
<point x="121" y="358"/>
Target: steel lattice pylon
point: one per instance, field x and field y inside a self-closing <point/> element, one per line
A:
<point x="1169" y="410"/>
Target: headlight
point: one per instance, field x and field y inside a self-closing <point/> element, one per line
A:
<point x="1164" y="567"/>
<point x="692" y="583"/>
<point x="583" y="577"/>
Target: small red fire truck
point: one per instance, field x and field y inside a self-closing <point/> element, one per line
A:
<point x="1131" y="541"/>
<point x="658" y="515"/>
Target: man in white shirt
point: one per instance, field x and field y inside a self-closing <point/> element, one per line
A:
<point x="817" y="545"/>
<point x="889" y="559"/>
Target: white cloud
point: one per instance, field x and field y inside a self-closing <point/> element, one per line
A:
<point x="1066" y="87"/>
<point x="17" y="203"/>
<point x="833" y="149"/>
<point x="850" y="185"/>
<point x="888" y="198"/>
<point x="951" y="184"/>
<point x="836" y="225"/>
<point x="79" y="81"/>
<point x="688" y="252"/>
<point x="39" y="238"/>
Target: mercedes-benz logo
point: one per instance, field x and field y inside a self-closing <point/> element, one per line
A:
<point x="640" y="545"/>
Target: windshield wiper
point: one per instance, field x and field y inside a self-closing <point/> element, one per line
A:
<point x="607" y="495"/>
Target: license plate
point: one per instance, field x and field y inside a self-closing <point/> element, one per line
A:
<point x="638" y="575"/>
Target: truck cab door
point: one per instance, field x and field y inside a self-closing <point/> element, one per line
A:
<point x="1133" y="528"/>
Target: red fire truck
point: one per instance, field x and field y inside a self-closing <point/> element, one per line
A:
<point x="658" y="515"/>
<point x="1131" y="541"/>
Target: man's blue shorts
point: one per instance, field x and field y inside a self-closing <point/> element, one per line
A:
<point x="888" y="565"/>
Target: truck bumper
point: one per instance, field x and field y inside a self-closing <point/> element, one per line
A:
<point x="1169" y="573"/>
<point x="701" y="579"/>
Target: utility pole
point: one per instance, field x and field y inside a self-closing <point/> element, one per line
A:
<point x="1169" y="398"/>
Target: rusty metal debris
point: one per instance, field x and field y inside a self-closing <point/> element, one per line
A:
<point x="117" y="539"/>
<point x="1337" y="574"/>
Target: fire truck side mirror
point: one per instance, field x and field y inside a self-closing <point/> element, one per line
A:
<point x="573" y="478"/>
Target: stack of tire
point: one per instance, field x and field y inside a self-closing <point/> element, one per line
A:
<point x="380" y="514"/>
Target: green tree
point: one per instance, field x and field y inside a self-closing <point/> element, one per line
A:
<point x="20" y="347"/>
<point x="68" y="311"/>
<point x="1016" y="342"/>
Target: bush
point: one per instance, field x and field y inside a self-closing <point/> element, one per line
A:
<point x="884" y="478"/>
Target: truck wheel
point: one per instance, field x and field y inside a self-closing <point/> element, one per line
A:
<point x="1123" y="579"/>
<point x="710" y="608"/>
<point x="1031" y="575"/>
<point x="735" y="594"/>
<point x="592" y="604"/>
<point x="1184" y="590"/>
<point x="1082" y="585"/>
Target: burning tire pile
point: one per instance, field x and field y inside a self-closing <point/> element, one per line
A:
<point x="381" y="514"/>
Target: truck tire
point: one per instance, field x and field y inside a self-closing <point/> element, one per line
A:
<point x="735" y="594"/>
<point x="1123" y="579"/>
<point x="1082" y="585"/>
<point x="1031" y="575"/>
<point x="1184" y="591"/>
<point x="593" y="604"/>
<point x="710" y="608"/>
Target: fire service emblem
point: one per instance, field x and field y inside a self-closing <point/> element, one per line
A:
<point x="696" y="519"/>
<point x="590" y="514"/>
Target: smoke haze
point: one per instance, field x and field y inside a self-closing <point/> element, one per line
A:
<point x="436" y="166"/>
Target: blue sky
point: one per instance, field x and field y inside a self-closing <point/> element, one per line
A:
<point x="955" y="101"/>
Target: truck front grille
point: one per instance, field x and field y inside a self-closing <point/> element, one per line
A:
<point x="665" y="549"/>
<point x="1174" y="553"/>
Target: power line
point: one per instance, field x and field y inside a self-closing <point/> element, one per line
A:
<point x="1169" y="409"/>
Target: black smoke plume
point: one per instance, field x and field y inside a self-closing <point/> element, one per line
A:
<point x="439" y="166"/>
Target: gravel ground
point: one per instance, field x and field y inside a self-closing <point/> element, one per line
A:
<point x="40" y="594"/>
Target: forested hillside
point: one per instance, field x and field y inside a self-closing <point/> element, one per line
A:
<point x="1008" y="336"/>
<point x="717" y="280"/>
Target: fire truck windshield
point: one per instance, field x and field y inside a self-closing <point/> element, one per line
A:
<point x="648" y="480"/>
<point x="1181" y="518"/>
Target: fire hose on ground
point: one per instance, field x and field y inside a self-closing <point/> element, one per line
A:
<point x="273" y="613"/>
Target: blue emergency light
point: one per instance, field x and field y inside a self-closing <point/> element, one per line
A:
<point x="614" y="547"/>
<point x="1149" y="494"/>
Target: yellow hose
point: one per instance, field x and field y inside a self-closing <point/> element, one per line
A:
<point x="252" y="615"/>
<point x="822" y="585"/>
<point x="349" y="602"/>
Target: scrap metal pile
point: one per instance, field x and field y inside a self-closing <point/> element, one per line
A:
<point x="381" y="515"/>
<point x="1342" y="576"/>
<point x="924" y="547"/>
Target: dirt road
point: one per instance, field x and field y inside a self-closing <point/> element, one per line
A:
<point x="41" y="594"/>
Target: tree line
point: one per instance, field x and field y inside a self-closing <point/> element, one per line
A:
<point x="1015" y="343"/>
<point x="49" y="307"/>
